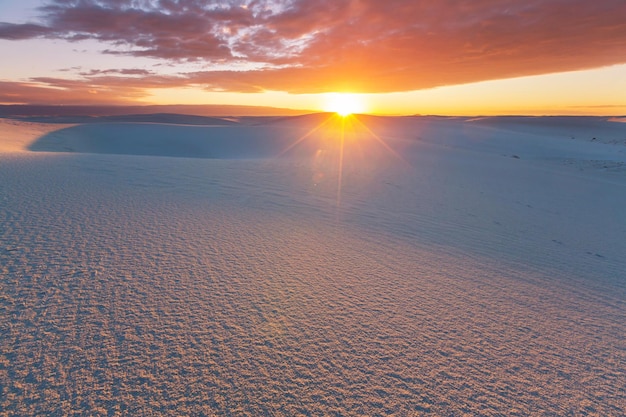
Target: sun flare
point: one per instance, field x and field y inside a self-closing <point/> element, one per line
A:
<point x="344" y="104"/>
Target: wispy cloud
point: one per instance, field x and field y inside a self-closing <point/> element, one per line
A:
<point x="124" y="71"/>
<point x="303" y="46"/>
<point x="50" y="91"/>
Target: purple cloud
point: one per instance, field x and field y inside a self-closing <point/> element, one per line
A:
<point x="13" y="32"/>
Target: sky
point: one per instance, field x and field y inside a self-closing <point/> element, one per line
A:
<point x="454" y="57"/>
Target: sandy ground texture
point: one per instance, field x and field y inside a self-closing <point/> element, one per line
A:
<point x="310" y="266"/>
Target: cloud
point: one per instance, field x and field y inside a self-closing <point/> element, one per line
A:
<point x="125" y="71"/>
<point x="12" y="31"/>
<point x="56" y="91"/>
<point x="303" y="46"/>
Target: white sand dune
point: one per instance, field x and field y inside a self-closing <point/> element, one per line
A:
<point x="161" y="118"/>
<point x="16" y="136"/>
<point x="166" y="140"/>
<point x="445" y="266"/>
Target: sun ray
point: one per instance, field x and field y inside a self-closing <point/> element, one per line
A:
<point x="381" y="141"/>
<point x="341" y="149"/>
<point x="347" y="131"/>
<point x="306" y="135"/>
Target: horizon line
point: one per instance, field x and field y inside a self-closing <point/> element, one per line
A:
<point x="99" y="110"/>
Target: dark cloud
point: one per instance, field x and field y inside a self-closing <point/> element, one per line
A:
<point x="13" y="32"/>
<point x="359" y="45"/>
<point x="164" y="33"/>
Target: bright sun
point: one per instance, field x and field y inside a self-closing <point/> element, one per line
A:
<point x="344" y="104"/>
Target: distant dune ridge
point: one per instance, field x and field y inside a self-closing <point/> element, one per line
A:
<point x="180" y="135"/>
<point x="164" y="264"/>
<point x="207" y="110"/>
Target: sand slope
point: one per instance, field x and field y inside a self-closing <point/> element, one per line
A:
<point x="16" y="136"/>
<point x="163" y="140"/>
<point x="461" y="267"/>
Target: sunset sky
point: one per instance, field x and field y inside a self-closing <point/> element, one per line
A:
<point x="455" y="57"/>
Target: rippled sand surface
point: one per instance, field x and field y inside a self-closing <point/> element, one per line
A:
<point x="450" y="278"/>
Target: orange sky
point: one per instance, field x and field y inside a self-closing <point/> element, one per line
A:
<point x="403" y="56"/>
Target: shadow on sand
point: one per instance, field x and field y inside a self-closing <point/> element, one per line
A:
<point x="215" y="142"/>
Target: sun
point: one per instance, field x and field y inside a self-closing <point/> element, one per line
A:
<point x="344" y="104"/>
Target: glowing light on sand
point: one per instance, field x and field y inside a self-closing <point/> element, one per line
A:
<point x="342" y="138"/>
<point x="344" y="104"/>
